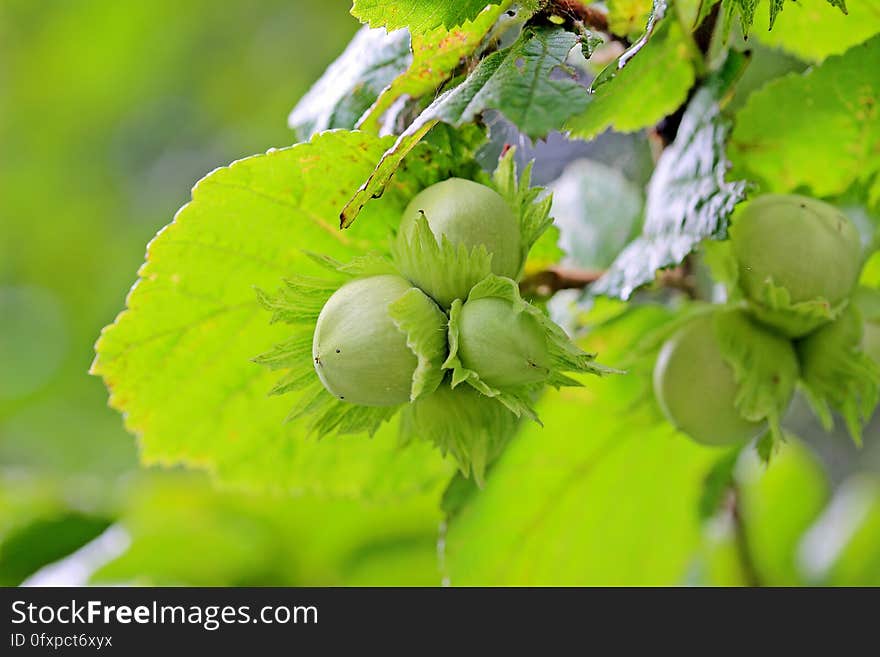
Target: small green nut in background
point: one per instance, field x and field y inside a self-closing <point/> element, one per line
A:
<point x="802" y="245"/>
<point x="697" y="389"/>
<point x="468" y="213"/>
<point x="504" y="347"/>
<point x="359" y="353"/>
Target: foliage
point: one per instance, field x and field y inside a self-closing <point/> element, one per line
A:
<point x="423" y="92"/>
<point x="688" y="198"/>
<point x="778" y="144"/>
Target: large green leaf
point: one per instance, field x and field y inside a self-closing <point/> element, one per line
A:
<point x="688" y="200"/>
<point x="233" y="538"/>
<point x="352" y="83"/>
<point x="518" y="81"/>
<point x="178" y="359"/>
<point x="419" y="15"/>
<point x="628" y="17"/>
<point x="651" y="85"/>
<point x="605" y="493"/>
<point x="814" y="29"/>
<point x="819" y="130"/>
<point x="746" y="10"/>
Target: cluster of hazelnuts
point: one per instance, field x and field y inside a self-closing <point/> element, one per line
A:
<point x="798" y="263"/>
<point x="363" y="354"/>
<point x="796" y="307"/>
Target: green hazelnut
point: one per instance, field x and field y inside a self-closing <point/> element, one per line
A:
<point x="359" y="353"/>
<point x="805" y="246"/>
<point x="504" y="347"/>
<point x="473" y="215"/>
<point x="696" y="386"/>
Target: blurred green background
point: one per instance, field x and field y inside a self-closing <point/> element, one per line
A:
<point x="109" y="113"/>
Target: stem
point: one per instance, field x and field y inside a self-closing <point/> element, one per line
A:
<point x="743" y="550"/>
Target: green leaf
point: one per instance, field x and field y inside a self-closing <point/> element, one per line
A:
<point x="44" y="541"/>
<point x="178" y="359"/>
<point x="628" y="17"/>
<point x="419" y="15"/>
<point x="746" y="9"/>
<point x="815" y="29"/>
<point x="351" y="84"/>
<point x="688" y="199"/>
<point x="237" y="539"/>
<point x="694" y="12"/>
<point x="819" y="130"/>
<point x="517" y="81"/>
<point x="576" y="503"/>
<point x="652" y="84"/>
<point x="436" y="54"/>
<point x="597" y="211"/>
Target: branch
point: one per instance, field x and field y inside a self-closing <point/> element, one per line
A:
<point x="549" y="281"/>
<point x="575" y="11"/>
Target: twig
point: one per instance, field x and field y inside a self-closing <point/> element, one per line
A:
<point x="680" y="278"/>
<point x="743" y="549"/>
<point x="545" y="283"/>
<point x="574" y="10"/>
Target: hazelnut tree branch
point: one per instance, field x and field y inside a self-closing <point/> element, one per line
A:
<point x="575" y="11"/>
<point x="549" y="281"/>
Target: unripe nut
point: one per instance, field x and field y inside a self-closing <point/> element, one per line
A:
<point x="468" y="213"/>
<point x="504" y="347"/>
<point x="696" y="387"/>
<point x="804" y="245"/>
<point x="359" y="353"/>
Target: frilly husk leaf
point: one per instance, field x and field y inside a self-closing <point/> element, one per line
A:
<point x="765" y="368"/>
<point x="461" y="422"/>
<point x="440" y="266"/>
<point x="424" y="324"/>
<point x="843" y="378"/>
